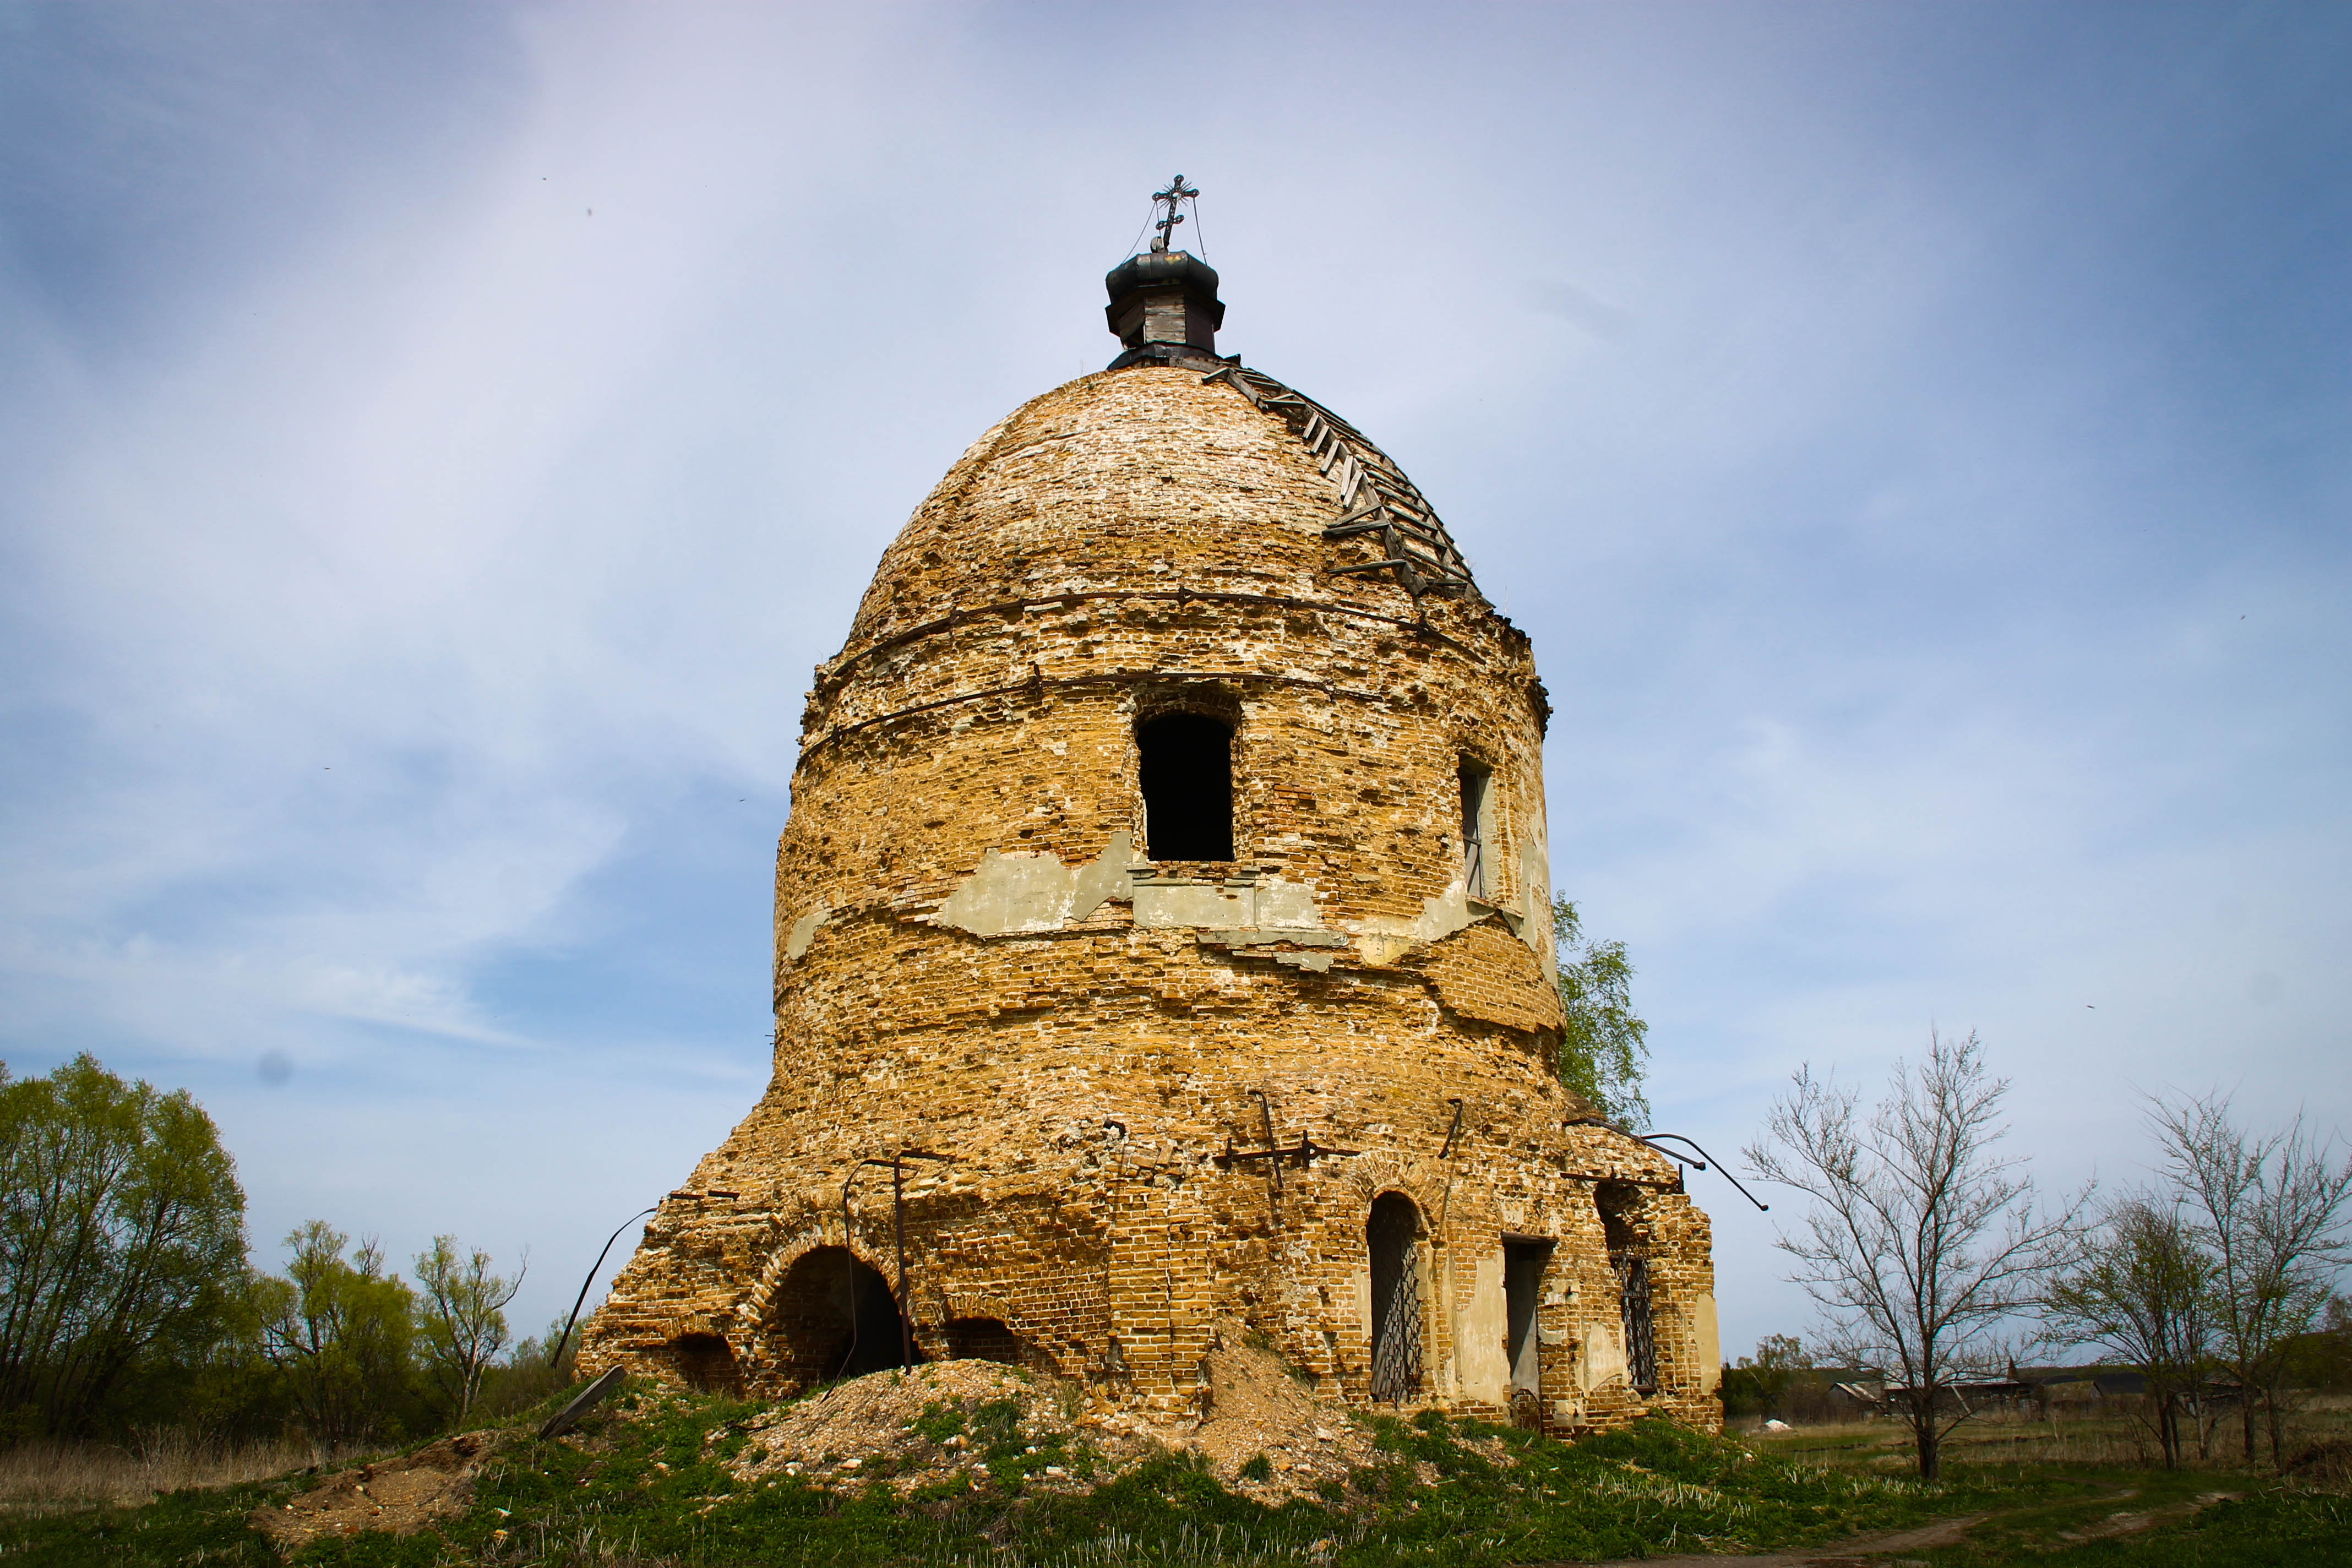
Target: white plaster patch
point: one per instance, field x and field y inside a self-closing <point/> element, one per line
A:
<point x="1035" y="892"/>
<point x="1384" y="939"/>
<point x="1286" y="906"/>
<point x="803" y="932"/>
<point x="1163" y="904"/>
<point x="1481" y="1329"/>
<point x="1535" y="880"/>
<point x="1269" y="905"/>
<point x="1605" y="1356"/>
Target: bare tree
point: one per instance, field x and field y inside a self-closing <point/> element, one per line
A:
<point x="2271" y="1210"/>
<point x="463" y="1318"/>
<point x="1924" y="1243"/>
<point x="2143" y="1292"/>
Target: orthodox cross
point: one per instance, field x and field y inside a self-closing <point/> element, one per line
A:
<point x="1177" y="191"/>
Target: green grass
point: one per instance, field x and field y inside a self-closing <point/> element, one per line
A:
<point x="646" y="1485"/>
<point x="184" y="1528"/>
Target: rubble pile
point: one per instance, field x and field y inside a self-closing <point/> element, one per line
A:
<point x="973" y="1422"/>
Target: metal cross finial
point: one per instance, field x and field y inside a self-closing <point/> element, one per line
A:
<point x="1177" y="191"/>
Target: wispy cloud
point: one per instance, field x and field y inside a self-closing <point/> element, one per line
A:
<point x="435" y="451"/>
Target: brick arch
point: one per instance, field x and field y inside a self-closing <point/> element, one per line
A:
<point x="832" y="1315"/>
<point x="778" y="1260"/>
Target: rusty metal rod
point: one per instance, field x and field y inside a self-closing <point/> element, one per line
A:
<point x="556" y="1359"/>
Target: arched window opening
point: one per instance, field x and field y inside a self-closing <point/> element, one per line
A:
<point x="1629" y="1258"/>
<point x="1392" y="1236"/>
<point x="1476" y="779"/>
<point x="985" y="1339"/>
<point x="706" y="1363"/>
<point x="1188" y="787"/>
<point x="832" y="1316"/>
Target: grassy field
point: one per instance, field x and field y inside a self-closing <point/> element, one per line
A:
<point x="647" y="1484"/>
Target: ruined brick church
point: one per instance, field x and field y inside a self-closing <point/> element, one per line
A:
<point x="1162" y="939"/>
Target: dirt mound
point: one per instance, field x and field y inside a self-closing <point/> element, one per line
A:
<point x="971" y="1423"/>
<point x="402" y="1495"/>
<point x="1255" y="1406"/>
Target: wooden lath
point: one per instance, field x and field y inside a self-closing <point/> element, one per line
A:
<point x="1374" y="495"/>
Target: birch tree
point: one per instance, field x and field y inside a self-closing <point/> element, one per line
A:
<point x="461" y="1316"/>
<point x="1604" y="1052"/>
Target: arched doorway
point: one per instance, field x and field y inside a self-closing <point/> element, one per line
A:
<point x="832" y="1316"/>
<point x="1393" y="1237"/>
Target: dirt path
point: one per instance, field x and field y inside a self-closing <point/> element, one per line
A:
<point x="1862" y="1551"/>
<point x="1873" y="1550"/>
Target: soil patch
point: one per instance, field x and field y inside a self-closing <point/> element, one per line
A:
<point x="400" y="1496"/>
<point x="2133" y="1521"/>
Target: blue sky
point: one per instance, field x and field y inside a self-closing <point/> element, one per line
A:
<point x="438" y="442"/>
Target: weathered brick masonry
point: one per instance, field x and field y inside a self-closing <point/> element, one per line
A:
<point x="978" y="957"/>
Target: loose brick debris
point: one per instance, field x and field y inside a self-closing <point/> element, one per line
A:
<point x="401" y="1496"/>
<point x="844" y="1435"/>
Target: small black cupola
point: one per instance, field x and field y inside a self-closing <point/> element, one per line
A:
<point x="1164" y="304"/>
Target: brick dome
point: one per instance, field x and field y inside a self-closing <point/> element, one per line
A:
<point x="1149" y="477"/>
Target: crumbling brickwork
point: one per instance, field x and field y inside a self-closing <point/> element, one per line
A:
<point x="979" y="958"/>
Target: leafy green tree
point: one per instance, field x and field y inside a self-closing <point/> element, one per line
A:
<point x="461" y="1318"/>
<point x="121" y="1239"/>
<point x="523" y="1376"/>
<point x="1759" y="1382"/>
<point x="340" y="1329"/>
<point x="2322" y="1359"/>
<point x="1604" y="1052"/>
<point x="2144" y="1293"/>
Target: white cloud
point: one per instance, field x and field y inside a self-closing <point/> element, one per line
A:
<point x="413" y="595"/>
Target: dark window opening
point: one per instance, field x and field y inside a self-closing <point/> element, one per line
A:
<point x="1392" y="1235"/>
<point x="1188" y="787"/>
<point x="1523" y="1269"/>
<point x="985" y="1339"/>
<point x="1475" y="779"/>
<point x="1629" y="1259"/>
<point x="707" y="1363"/>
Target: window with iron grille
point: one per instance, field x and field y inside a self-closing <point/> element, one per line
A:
<point x="1620" y="1204"/>
<point x="1392" y="1235"/>
<point x="1641" y="1333"/>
